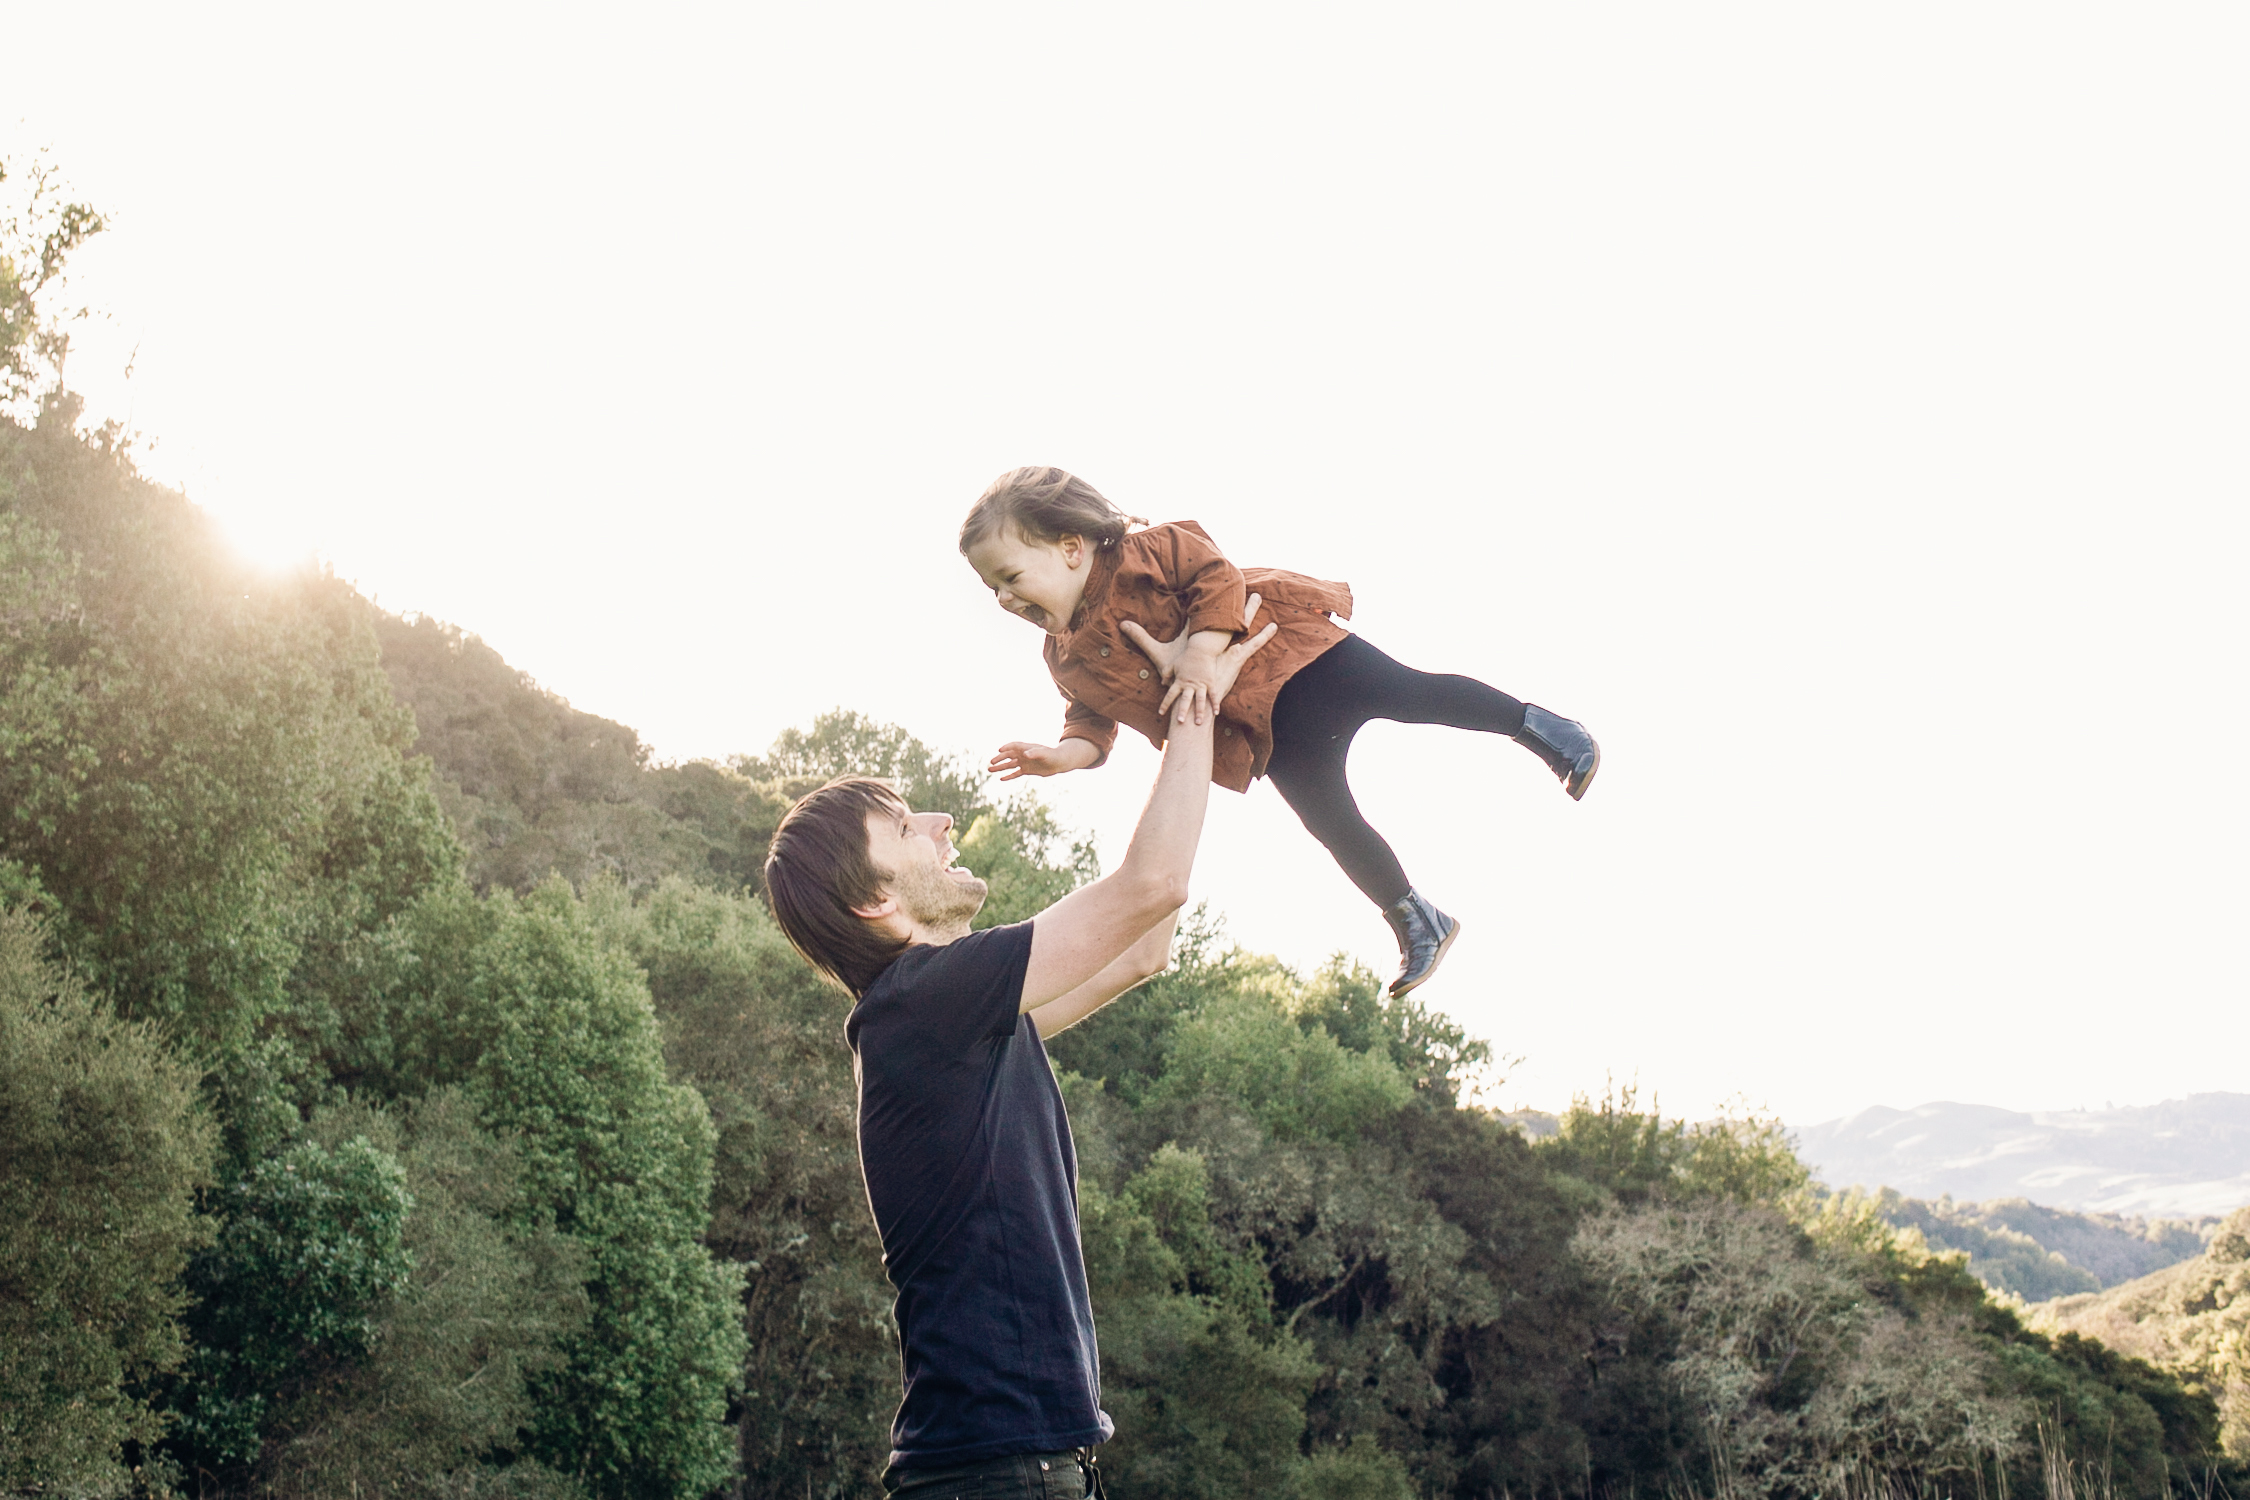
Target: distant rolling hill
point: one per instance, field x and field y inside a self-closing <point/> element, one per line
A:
<point x="2035" y="1252"/>
<point x="2186" y="1157"/>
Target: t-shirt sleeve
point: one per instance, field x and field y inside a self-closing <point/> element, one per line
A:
<point x="1210" y="588"/>
<point x="973" y="986"/>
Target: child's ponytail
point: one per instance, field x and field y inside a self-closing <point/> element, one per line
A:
<point x="1046" y="504"/>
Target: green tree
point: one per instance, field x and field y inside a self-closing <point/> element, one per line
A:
<point x="1305" y="1186"/>
<point x="439" y="1404"/>
<point x="1431" y="1050"/>
<point x="1017" y="850"/>
<point x="1776" y="1338"/>
<point x="1297" y="1083"/>
<point x="1519" y="1411"/>
<point x="1124" y="1045"/>
<point x="1614" y="1145"/>
<point x="843" y="743"/>
<point x="1207" y="1394"/>
<point x="1790" y="1377"/>
<point x="569" y="1061"/>
<point x="103" y="1147"/>
<point x="762" y="1038"/>
<point x="311" y="1251"/>
<point x="40" y="226"/>
<point x="1017" y="846"/>
<point x="201" y="767"/>
<point x="1746" y="1157"/>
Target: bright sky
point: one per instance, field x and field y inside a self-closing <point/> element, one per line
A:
<point x="1840" y="409"/>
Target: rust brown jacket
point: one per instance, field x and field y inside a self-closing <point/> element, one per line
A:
<point x="1172" y="578"/>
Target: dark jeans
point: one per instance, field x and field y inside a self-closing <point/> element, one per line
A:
<point x="1316" y="714"/>
<point x="1019" y="1476"/>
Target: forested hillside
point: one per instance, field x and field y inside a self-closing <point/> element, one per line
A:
<point x="537" y="788"/>
<point x="2193" y="1318"/>
<point x="2035" y="1252"/>
<point x="404" y="1092"/>
<point x="2014" y="1246"/>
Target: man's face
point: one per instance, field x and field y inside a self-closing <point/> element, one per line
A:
<point x="915" y="852"/>
<point x="1041" y="581"/>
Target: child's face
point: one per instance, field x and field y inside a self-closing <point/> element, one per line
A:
<point x="1041" y="581"/>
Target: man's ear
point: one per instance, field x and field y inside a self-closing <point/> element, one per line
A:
<point x="888" y="906"/>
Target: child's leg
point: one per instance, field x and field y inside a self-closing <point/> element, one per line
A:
<point x="1353" y="677"/>
<point x="1315" y="717"/>
<point x="1377" y="687"/>
<point x="1307" y="768"/>
<point x="1314" y="720"/>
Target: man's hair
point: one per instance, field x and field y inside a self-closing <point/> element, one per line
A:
<point x="1046" y="504"/>
<point x="820" y="868"/>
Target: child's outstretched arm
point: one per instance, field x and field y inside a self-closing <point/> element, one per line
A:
<point x="1022" y="758"/>
<point x="1086" y="739"/>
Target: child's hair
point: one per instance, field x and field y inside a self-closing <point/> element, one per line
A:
<point x="1046" y="504"/>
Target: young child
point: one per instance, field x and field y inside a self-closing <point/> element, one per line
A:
<point x="1137" y="619"/>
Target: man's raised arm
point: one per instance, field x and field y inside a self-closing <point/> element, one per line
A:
<point x="1080" y="935"/>
<point x="1084" y="933"/>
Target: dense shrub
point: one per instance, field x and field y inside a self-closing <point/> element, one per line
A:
<point x="103" y="1145"/>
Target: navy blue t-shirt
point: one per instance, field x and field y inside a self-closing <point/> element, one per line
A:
<point x="974" y="1183"/>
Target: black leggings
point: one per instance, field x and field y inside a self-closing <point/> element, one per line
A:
<point x="1314" y="718"/>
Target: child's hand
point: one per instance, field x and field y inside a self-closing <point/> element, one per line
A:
<point x="1019" y="758"/>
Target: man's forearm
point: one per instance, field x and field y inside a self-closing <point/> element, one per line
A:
<point x="1080" y="936"/>
<point x="1143" y="961"/>
<point x="1163" y="846"/>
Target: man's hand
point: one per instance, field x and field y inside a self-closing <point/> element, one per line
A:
<point x="1200" y="665"/>
<point x="1021" y="758"/>
<point x="1195" y="674"/>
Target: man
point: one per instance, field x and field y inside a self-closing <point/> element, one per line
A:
<point x="963" y="1141"/>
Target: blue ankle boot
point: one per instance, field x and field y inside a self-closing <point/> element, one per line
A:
<point x="1564" y="744"/>
<point x="1424" y="933"/>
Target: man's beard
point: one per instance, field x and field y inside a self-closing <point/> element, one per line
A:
<point x="938" y="900"/>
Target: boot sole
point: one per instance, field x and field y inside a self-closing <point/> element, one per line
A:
<point x="1582" y="774"/>
<point x="1444" y="944"/>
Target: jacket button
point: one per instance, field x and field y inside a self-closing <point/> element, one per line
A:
<point x="1105" y="650"/>
<point x="1144" y="671"/>
<point x="1042" y="1466"/>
